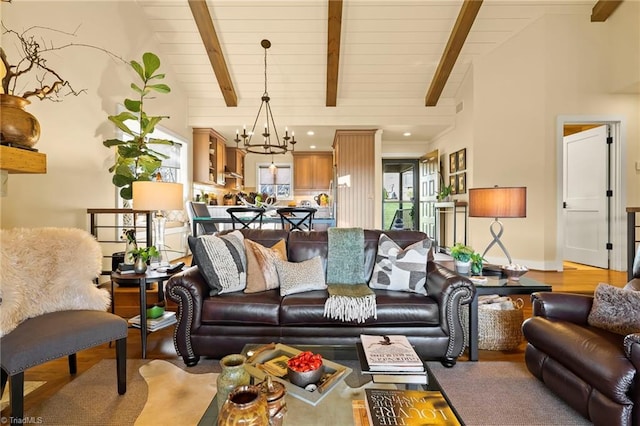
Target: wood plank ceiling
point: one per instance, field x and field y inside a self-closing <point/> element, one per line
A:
<point x="335" y="64"/>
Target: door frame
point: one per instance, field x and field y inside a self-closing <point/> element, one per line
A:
<point x="416" y="188"/>
<point x="617" y="174"/>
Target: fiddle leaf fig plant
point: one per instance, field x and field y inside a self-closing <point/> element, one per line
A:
<point x="135" y="158"/>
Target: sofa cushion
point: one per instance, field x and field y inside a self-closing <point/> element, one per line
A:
<point x="394" y="309"/>
<point x="298" y="277"/>
<point x="221" y="260"/>
<point x="615" y="309"/>
<point x="241" y="308"/>
<point x="401" y="269"/>
<point x="261" y="267"/>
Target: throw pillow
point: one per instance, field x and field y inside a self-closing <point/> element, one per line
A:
<point x="301" y="276"/>
<point x="615" y="309"/>
<point x="221" y="261"/>
<point x="48" y="270"/>
<point x="261" y="267"/>
<point x="401" y="270"/>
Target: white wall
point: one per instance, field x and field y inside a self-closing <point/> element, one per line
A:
<point x="557" y="66"/>
<point x="73" y="130"/>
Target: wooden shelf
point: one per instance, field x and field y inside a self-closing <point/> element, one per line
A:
<point x="16" y="160"/>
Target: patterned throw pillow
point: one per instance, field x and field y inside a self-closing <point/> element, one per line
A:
<point x="401" y="270"/>
<point x="301" y="276"/>
<point x="615" y="309"/>
<point x="261" y="266"/>
<point x="221" y="260"/>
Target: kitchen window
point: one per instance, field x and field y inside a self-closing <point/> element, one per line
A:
<point x="278" y="182"/>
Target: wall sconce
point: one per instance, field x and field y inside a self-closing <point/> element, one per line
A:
<point x="497" y="202"/>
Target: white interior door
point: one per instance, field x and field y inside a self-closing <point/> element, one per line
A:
<point x="585" y="185"/>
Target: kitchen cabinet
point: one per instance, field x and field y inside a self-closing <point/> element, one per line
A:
<point x="209" y="152"/>
<point x="234" y="173"/>
<point x="312" y="170"/>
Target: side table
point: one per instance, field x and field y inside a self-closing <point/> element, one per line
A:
<point x="151" y="276"/>
<point x="501" y="287"/>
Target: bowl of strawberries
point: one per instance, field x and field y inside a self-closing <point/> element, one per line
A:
<point x="305" y="368"/>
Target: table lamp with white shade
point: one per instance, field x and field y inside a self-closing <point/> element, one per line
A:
<point x="498" y="202"/>
<point x="158" y="196"/>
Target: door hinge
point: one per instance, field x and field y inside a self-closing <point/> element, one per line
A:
<point x="609" y="246"/>
<point x="564" y="204"/>
<point x="609" y="140"/>
<point x="609" y="193"/>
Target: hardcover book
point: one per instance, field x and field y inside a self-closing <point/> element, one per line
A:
<point x="408" y="407"/>
<point x="168" y="318"/>
<point x="390" y="353"/>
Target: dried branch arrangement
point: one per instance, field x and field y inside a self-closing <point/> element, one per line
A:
<point x="33" y="51"/>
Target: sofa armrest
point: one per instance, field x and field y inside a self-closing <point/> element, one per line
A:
<point x="189" y="290"/>
<point x="562" y="306"/>
<point x="634" y="284"/>
<point x="632" y="349"/>
<point x="451" y="291"/>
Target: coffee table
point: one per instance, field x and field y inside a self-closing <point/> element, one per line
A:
<point x="336" y="408"/>
<point x="502" y="287"/>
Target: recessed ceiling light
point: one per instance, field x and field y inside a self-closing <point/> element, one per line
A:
<point x="406" y="134"/>
<point x="312" y="146"/>
<point x="310" y="133"/>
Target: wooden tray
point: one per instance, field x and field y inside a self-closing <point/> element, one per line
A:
<point x="313" y="397"/>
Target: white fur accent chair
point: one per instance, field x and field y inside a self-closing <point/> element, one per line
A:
<point x="50" y="306"/>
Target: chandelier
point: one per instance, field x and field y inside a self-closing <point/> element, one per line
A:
<point x="268" y="145"/>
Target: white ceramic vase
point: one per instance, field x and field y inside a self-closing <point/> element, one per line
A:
<point x="463" y="268"/>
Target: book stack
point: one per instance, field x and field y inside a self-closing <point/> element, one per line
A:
<point x="390" y="359"/>
<point x="408" y="407"/>
<point x="167" y="319"/>
<point x="125" y="268"/>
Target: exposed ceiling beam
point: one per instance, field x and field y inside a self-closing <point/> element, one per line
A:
<point x="209" y="37"/>
<point x="466" y="17"/>
<point x="603" y="9"/>
<point x="333" y="50"/>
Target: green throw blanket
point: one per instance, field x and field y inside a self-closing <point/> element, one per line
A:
<point x="350" y="298"/>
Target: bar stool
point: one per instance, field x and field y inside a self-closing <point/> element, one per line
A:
<point x="296" y="217"/>
<point x="246" y="216"/>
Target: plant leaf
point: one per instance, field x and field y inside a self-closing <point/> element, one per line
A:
<point x="137" y="89"/>
<point x="131" y="105"/>
<point x="151" y="64"/>
<point x="161" y="88"/>
<point x="138" y="68"/>
<point x="157" y="77"/>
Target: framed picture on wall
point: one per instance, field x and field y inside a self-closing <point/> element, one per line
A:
<point x="453" y="162"/>
<point x="453" y="182"/>
<point x="461" y="187"/>
<point x="462" y="159"/>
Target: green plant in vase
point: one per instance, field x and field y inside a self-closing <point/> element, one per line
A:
<point x="135" y="159"/>
<point x="477" y="262"/>
<point x="461" y="254"/>
<point x="146" y="253"/>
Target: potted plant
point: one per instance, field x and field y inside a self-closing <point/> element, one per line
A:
<point x="445" y="193"/>
<point x="462" y="257"/>
<point x="477" y="262"/>
<point x="229" y="199"/>
<point x="142" y="256"/>
<point x="135" y="159"/>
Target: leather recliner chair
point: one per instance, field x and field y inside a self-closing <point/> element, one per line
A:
<point x="593" y="370"/>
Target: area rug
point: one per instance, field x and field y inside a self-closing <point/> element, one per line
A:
<point x="502" y="393"/>
<point x="483" y="393"/>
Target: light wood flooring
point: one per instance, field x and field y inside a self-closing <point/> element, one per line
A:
<point x="576" y="279"/>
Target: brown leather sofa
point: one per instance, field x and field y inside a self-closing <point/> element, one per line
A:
<point x="223" y="324"/>
<point x="595" y="371"/>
